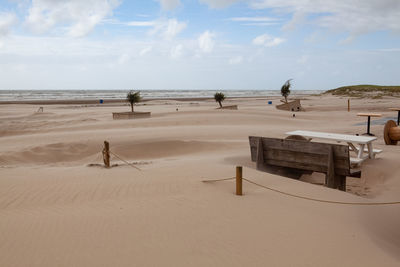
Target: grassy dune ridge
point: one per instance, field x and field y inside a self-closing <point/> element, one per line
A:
<point x="366" y="90"/>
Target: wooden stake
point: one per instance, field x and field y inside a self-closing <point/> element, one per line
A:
<point x="239" y="180"/>
<point x="106" y="154"/>
<point x="348" y="105"/>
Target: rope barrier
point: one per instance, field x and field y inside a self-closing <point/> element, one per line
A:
<point x="130" y="164"/>
<point x="309" y="198"/>
<point x="322" y="200"/>
<point x="217" y="180"/>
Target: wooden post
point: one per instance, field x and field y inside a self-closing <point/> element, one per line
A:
<point x="342" y="182"/>
<point x="106" y="154"/>
<point x="348" y="105"/>
<point x="260" y="154"/>
<point x="239" y="180"/>
<point x="330" y="174"/>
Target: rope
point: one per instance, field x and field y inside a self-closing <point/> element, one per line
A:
<point x="322" y="200"/>
<point x="217" y="180"/>
<point x="309" y="198"/>
<point x="130" y="164"/>
<point x="96" y="158"/>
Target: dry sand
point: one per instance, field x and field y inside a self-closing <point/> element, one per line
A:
<point x="55" y="210"/>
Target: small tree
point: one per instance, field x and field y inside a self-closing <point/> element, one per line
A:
<point x="219" y="97"/>
<point x="285" y="89"/>
<point x="133" y="97"/>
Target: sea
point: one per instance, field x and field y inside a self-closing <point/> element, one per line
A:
<point x="24" y="95"/>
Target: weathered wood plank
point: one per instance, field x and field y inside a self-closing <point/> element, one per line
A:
<point x="301" y="155"/>
<point x="286" y="153"/>
<point x="299" y="145"/>
<point x="296" y="165"/>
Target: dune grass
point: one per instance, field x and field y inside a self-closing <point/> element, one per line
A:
<point x="366" y="90"/>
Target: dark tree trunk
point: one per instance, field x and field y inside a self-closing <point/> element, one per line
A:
<point x="219" y="102"/>
<point x="132" y="106"/>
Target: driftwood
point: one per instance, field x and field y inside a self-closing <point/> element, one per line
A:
<point x="302" y="156"/>
<point x="291" y="106"/>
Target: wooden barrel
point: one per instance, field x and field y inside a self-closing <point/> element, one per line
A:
<point x="394" y="133"/>
<point x="391" y="133"/>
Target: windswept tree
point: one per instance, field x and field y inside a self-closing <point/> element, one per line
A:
<point x="285" y="89"/>
<point x="219" y="97"/>
<point x="133" y="97"/>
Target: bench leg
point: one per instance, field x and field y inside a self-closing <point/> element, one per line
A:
<point x="341" y="179"/>
<point x="370" y="151"/>
<point x="353" y="147"/>
<point x="360" y="151"/>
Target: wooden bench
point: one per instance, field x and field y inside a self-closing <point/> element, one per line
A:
<point x="304" y="156"/>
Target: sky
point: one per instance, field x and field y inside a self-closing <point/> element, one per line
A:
<point x="198" y="44"/>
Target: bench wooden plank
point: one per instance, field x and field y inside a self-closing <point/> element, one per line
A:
<point x="300" y="154"/>
<point x="314" y="158"/>
<point x="375" y="150"/>
<point x="296" y="145"/>
<point x="356" y="161"/>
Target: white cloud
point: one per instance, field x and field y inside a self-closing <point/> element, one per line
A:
<point x="256" y="21"/>
<point x="7" y="20"/>
<point x="141" y="23"/>
<point x="235" y="60"/>
<point x="79" y="16"/>
<point x="206" y="42"/>
<point x="124" y="58"/>
<point x="176" y="51"/>
<point x="253" y="19"/>
<point x="303" y="59"/>
<point x="173" y="28"/>
<point x="145" y="50"/>
<point x="218" y="3"/>
<point x="356" y="16"/>
<point x="169" y="4"/>
<point x="260" y="24"/>
<point x="168" y="29"/>
<point x="267" y="40"/>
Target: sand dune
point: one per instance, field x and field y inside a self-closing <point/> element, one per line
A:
<point x="58" y="210"/>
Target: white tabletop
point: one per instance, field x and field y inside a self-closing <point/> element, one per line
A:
<point x="335" y="137"/>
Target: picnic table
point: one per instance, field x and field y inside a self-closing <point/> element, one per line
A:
<point x="369" y="115"/>
<point x="361" y="145"/>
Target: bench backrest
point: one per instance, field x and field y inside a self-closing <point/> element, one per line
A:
<point x="299" y="154"/>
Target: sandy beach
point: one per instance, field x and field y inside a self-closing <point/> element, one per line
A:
<point x="60" y="207"/>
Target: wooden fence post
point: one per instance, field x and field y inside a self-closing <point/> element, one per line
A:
<point x="106" y="154"/>
<point x="239" y="180"/>
<point x="348" y="105"/>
